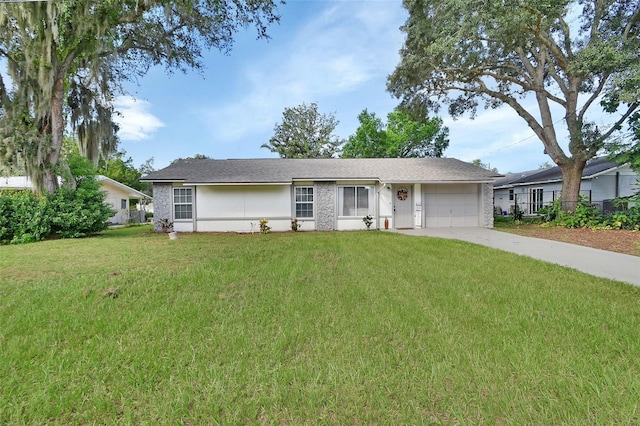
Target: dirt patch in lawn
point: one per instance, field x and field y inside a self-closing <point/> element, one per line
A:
<point x="619" y="241"/>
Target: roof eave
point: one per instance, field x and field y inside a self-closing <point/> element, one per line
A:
<point x="236" y="183"/>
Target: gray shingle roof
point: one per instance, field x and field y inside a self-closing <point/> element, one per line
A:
<point x="278" y="170"/>
<point x="593" y="167"/>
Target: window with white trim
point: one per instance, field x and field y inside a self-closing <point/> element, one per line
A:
<point x="355" y="200"/>
<point x="182" y="203"/>
<point x="304" y="201"/>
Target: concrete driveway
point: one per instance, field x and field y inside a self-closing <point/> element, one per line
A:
<point x="605" y="264"/>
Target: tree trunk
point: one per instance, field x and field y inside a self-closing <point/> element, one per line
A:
<point x="572" y="177"/>
<point x="49" y="178"/>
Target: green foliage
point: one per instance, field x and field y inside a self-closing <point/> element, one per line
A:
<point x="193" y="157"/>
<point x="264" y="226"/>
<point x="25" y="217"/>
<point x="625" y="219"/>
<point x="75" y="210"/>
<point x="66" y="60"/>
<point x="80" y="212"/>
<point x="468" y="54"/>
<point x="401" y="137"/>
<point x="122" y="170"/>
<point x="80" y="208"/>
<point x="584" y="216"/>
<point x="589" y="216"/>
<point x="305" y="133"/>
<point x="479" y="163"/>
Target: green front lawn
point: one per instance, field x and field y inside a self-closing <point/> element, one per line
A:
<point x="309" y="328"/>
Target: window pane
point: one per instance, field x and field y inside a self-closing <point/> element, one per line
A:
<point x="349" y="201"/>
<point x="304" y="194"/>
<point x="183" y="211"/>
<point x="363" y="201"/>
<point x="304" y="210"/>
<point x="304" y="201"/>
<point x="182" y="201"/>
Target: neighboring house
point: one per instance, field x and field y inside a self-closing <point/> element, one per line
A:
<point x="118" y="196"/>
<point x="602" y="181"/>
<point x="322" y="194"/>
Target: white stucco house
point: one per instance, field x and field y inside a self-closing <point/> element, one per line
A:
<point x="118" y="195"/>
<point x="602" y="181"/>
<point x="204" y="195"/>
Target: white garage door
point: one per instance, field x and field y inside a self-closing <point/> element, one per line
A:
<point x="450" y="205"/>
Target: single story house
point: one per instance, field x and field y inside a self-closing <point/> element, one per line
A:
<point x="321" y="194"/>
<point x="118" y="196"/>
<point x="602" y="181"/>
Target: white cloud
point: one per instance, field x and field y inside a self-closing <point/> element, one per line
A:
<point x="336" y="53"/>
<point x="134" y="119"/>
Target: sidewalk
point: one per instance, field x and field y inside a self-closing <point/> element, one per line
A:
<point x="601" y="263"/>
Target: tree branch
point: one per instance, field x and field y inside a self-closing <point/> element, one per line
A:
<point x="4" y="97"/>
<point x="567" y="36"/>
<point x="141" y="7"/>
<point x="632" y="20"/>
<point x="592" y="98"/>
<point x="559" y="81"/>
<point x="618" y="123"/>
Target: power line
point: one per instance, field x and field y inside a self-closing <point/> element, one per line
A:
<point x="515" y="143"/>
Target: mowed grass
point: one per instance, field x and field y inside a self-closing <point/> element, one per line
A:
<point x="309" y="328"/>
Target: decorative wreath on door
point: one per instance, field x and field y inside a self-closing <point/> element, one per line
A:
<point x="403" y="194"/>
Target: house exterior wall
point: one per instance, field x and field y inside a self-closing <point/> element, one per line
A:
<point x="385" y="206"/>
<point x="325" y="206"/>
<point x="598" y="189"/>
<point x="611" y="185"/>
<point x="521" y="193"/>
<point x="486" y="208"/>
<point x="114" y="199"/>
<point x="161" y="204"/>
<point x="240" y="208"/>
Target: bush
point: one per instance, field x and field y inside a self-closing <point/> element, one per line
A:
<point x="76" y="210"/>
<point x="6" y="217"/>
<point x="588" y="216"/>
<point x="625" y="219"/>
<point x="80" y="212"/>
<point x="584" y="216"/>
<point x="24" y="217"/>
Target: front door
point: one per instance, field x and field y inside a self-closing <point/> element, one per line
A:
<point x="402" y="207"/>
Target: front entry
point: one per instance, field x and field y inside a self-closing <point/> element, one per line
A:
<point x="402" y="207"/>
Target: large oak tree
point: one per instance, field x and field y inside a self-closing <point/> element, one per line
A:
<point x="572" y="54"/>
<point x="66" y="59"/>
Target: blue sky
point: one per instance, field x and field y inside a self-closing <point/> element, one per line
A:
<point x="335" y="53"/>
